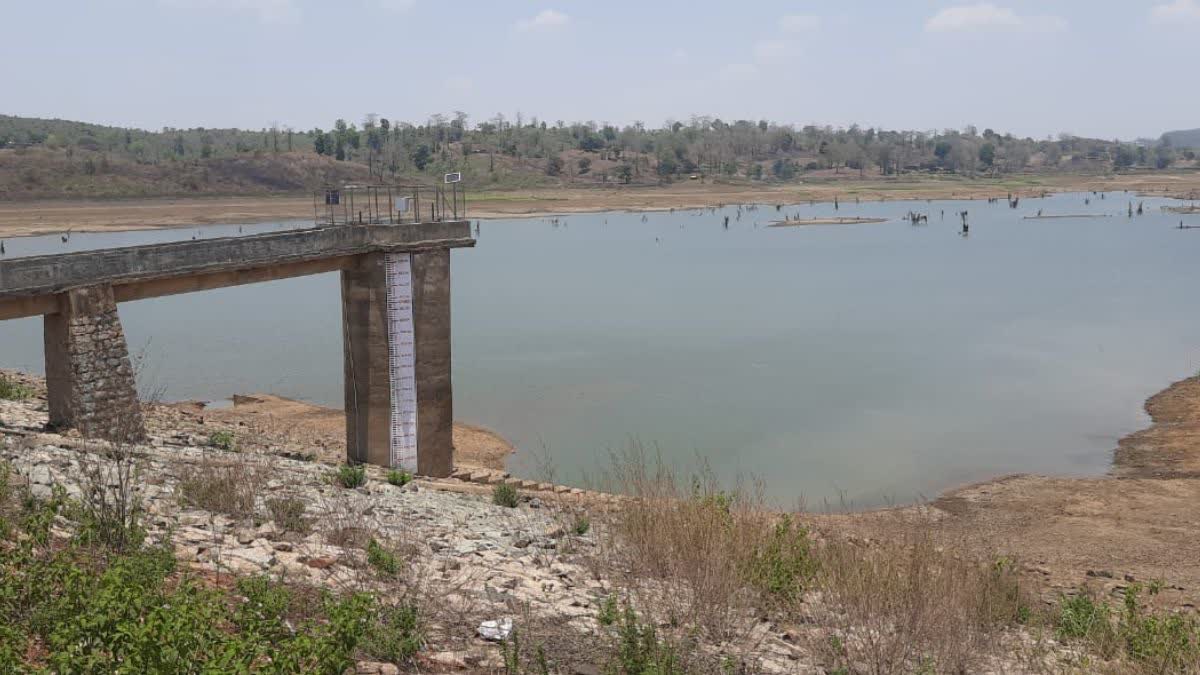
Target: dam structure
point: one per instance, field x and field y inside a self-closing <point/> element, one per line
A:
<point x="395" y="283"/>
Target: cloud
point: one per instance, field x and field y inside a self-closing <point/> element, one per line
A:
<point x="986" y="16"/>
<point x="546" y="20"/>
<point x="397" y="5"/>
<point x="774" y="52"/>
<point x="1179" y="10"/>
<point x="268" y="11"/>
<point x="799" y="23"/>
<point x="459" y="85"/>
<point x="738" y="72"/>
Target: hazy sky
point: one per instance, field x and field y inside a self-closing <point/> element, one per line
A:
<point x="1090" y="67"/>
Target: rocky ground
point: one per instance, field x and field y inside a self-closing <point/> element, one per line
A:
<point x="471" y="560"/>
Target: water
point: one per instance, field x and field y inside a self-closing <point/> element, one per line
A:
<point x="862" y="364"/>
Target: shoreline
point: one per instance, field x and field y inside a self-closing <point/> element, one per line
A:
<point x="1134" y="524"/>
<point x="41" y="217"/>
<point x="1168" y="448"/>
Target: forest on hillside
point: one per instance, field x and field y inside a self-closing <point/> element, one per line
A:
<point x="39" y="156"/>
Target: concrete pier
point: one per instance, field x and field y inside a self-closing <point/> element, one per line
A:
<point x="89" y="375"/>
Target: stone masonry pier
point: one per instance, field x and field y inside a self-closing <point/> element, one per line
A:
<point x="89" y="377"/>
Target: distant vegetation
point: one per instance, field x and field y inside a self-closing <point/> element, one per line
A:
<point x="56" y="158"/>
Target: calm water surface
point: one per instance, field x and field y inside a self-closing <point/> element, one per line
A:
<point x="859" y="363"/>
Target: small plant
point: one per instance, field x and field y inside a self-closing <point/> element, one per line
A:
<point x="609" y="611"/>
<point x="641" y="652"/>
<point x="11" y="390"/>
<point x="1080" y="617"/>
<point x="783" y="564"/>
<point x="1165" y="642"/>
<point x="382" y="560"/>
<point x="505" y="495"/>
<point x="399" y="477"/>
<point x="288" y="514"/>
<point x="581" y="525"/>
<point x="351" y="476"/>
<point x="223" y="440"/>
<point x="397" y="634"/>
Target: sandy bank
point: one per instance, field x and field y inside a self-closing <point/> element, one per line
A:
<point x="800" y="222"/>
<point x="322" y="431"/>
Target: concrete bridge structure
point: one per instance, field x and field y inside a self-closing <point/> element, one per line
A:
<point x="395" y="313"/>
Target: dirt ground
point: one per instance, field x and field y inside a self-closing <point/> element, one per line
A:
<point x="43" y="217"/>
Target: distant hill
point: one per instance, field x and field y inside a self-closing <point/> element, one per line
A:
<point x="53" y="158"/>
<point x="1187" y="138"/>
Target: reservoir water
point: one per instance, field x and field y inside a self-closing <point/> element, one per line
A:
<point x="859" y="364"/>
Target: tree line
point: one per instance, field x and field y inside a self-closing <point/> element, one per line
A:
<point x="746" y="149"/>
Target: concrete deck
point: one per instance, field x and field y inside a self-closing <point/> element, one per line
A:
<point x="30" y="286"/>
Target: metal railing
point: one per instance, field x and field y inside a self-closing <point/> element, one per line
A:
<point x="388" y="204"/>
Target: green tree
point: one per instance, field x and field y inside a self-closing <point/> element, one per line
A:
<point x="421" y="157"/>
<point x="987" y="154"/>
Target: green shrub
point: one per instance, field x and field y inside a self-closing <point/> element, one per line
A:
<point x="782" y="565"/>
<point x="399" y="477"/>
<point x="581" y="525"/>
<point x="505" y="495"/>
<point x="640" y="651"/>
<point x="133" y="611"/>
<point x="609" y="612"/>
<point x="223" y="440"/>
<point x="397" y="634"/>
<point x="264" y="613"/>
<point x="1165" y="643"/>
<point x="383" y="560"/>
<point x="1081" y="617"/>
<point x="11" y="390"/>
<point x="351" y="476"/>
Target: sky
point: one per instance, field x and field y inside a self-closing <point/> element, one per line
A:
<point x="1098" y="68"/>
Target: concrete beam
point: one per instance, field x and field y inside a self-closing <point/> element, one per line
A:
<point x="25" y="282"/>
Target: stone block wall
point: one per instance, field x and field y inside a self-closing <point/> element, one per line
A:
<point x="89" y="377"/>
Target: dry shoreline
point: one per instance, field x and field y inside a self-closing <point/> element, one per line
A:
<point x="1135" y="523"/>
<point x="44" y="217"/>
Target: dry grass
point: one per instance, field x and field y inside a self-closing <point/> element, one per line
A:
<point x="288" y="514"/>
<point x="714" y="563"/>
<point x="908" y="604"/>
<point x="229" y="488"/>
<point x="690" y="552"/>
